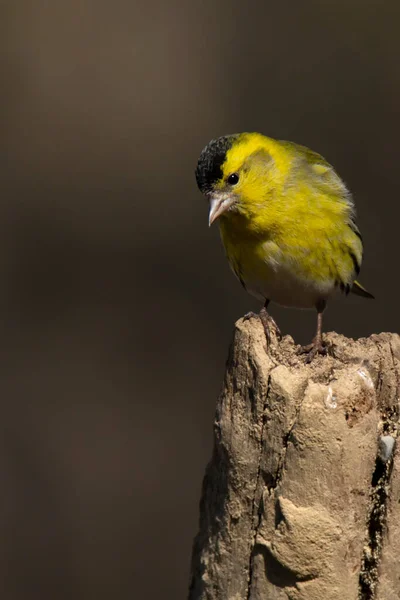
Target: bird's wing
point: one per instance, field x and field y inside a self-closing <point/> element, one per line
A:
<point x="320" y="175"/>
<point x="323" y="180"/>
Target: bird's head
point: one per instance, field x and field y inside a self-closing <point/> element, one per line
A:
<point x="237" y="174"/>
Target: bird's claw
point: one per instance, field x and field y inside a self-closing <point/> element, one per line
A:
<point x="268" y="323"/>
<point x="312" y="350"/>
<point x="250" y="315"/>
<point x="278" y="332"/>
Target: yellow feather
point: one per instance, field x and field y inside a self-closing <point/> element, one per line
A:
<point x="288" y="227"/>
<point x="294" y="211"/>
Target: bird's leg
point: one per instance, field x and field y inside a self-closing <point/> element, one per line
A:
<point x="267" y="321"/>
<point x="317" y="346"/>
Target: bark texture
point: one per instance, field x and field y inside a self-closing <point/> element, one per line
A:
<point x="301" y="499"/>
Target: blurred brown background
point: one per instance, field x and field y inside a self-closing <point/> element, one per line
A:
<point x="117" y="305"/>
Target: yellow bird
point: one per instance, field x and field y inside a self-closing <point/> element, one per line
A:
<point x="287" y="222"/>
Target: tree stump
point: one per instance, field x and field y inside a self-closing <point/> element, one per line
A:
<point x="301" y="499"/>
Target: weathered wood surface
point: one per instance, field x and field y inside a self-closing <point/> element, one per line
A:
<point x="301" y="499"/>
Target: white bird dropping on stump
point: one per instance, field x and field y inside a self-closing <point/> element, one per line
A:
<point x="386" y="445"/>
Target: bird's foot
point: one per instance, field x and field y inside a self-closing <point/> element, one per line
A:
<point x="268" y="323"/>
<point x="250" y="315"/>
<point x="312" y="350"/>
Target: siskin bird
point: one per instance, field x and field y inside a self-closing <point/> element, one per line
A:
<point x="287" y="222"/>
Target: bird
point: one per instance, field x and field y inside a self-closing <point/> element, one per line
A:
<point x="287" y="222"/>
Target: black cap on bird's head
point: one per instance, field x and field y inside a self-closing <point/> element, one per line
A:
<point x="209" y="165"/>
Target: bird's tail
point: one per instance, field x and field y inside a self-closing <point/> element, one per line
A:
<point x="359" y="290"/>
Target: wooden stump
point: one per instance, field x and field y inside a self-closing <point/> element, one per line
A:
<point x="301" y="499"/>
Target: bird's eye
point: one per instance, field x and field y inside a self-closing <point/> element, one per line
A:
<point x="233" y="179"/>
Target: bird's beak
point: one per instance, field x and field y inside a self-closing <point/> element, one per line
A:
<point x="219" y="203"/>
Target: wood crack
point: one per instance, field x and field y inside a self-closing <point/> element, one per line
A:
<point x="270" y="487"/>
<point x="379" y="494"/>
<point x="257" y="506"/>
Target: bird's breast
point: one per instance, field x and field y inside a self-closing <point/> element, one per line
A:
<point x="267" y="271"/>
